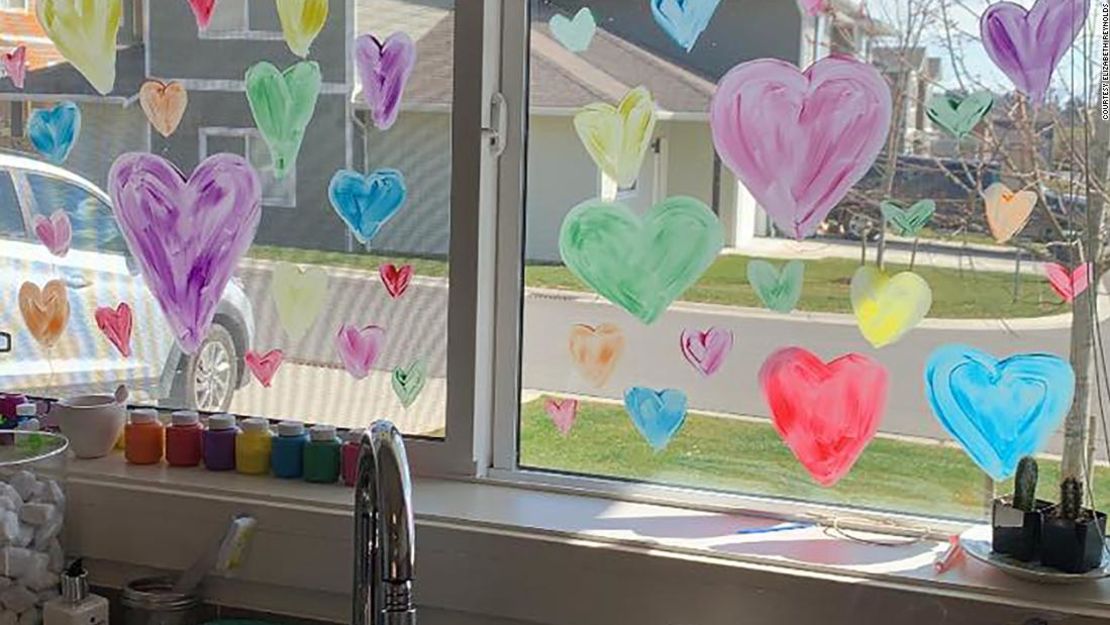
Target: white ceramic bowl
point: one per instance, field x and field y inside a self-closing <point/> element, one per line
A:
<point x="92" y="423"/>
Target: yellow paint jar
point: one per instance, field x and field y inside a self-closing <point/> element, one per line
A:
<point x="252" y="447"/>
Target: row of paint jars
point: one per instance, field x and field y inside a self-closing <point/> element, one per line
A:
<point x="248" y="446"/>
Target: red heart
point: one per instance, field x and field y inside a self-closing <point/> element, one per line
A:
<point x="825" y="413"/>
<point x="396" y="280"/>
<point x="116" y="325"/>
<point x="264" y="366"/>
<point x="202" y="9"/>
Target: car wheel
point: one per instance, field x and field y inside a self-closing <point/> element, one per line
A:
<point x="207" y="379"/>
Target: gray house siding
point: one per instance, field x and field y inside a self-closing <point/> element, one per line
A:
<point x="107" y="128"/>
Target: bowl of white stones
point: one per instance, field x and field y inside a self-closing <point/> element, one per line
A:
<point x="32" y="512"/>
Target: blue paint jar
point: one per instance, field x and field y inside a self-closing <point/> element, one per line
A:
<point x="287" y="453"/>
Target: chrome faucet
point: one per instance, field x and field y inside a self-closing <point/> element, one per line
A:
<point x="383" y="530"/>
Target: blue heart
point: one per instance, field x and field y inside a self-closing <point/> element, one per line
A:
<point x="54" y="131"/>
<point x="684" y="20"/>
<point x="999" y="410"/>
<point x="366" y="203"/>
<point x="658" y="415"/>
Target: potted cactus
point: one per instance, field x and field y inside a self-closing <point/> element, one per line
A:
<point x="1016" y="520"/>
<point x="1072" y="536"/>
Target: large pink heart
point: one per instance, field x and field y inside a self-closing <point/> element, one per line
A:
<point x="706" y="351"/>
<point x="187" y="235"/>
<point x="359" y="348"/>
<point x="800" y="140"/>
<point x="1068" y="284"/>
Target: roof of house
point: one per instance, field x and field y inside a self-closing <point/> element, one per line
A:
<point x="62" y="80"/>
<point x="22" y="28"/>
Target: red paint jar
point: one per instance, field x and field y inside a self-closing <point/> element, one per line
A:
<point x="348" y="458"/>
<point x="183" y="439"/>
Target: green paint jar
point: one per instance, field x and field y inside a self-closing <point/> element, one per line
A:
<point x="321" y="455"/>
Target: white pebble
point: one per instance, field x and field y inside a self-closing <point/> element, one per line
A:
<point x="10" y="497"/>
<point x="37" y="570"/>
<point x="14" y="561"/>
<point x="24" y="483"/>
<point x="9" y="527"/>
<point x="47" y="532"/>
<point x="56" y="555"/>
<point x="18" y="598"/>
<point x="8" y="617"/>
<point x="25" y="536"/>
<point x="36" y="513"/>
<point x="32" y="616"/>
<point x="52" y="493"/>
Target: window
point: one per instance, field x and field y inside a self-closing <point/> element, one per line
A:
<point x="248" y="142"/>
<point x="89" y="215"/>
<point x="230" y="16"/>
<point x="11" y="218"/>
<point x="19" y="5"/>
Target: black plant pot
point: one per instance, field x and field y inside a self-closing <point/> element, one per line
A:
<point x="1017" y="533"/>
<point x="1073" y="546"/>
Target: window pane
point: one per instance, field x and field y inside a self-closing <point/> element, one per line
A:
<point x="11" y="220"/>
<point x="89" y="215"/>
<point x="670" y="260"/>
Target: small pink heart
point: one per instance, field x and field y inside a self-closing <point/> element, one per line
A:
<point x="396" y="280"/>
<point x="812" y="7"/>
<point x="563" y="412"/>
<point x="15" y="65"/>
<point x="706" y="351"/>
<point x="264" y="366"/>
<point x="358" y="349"/>
<point x="1068" y="284"/>
<point x="116" y="325"/>
<point x="55" y="232"/>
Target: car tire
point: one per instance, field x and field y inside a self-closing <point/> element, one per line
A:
<point x="207" y="380"/>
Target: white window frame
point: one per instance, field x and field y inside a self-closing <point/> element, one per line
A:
<point x="247" y="135"/>
<point x="246" y="34"/>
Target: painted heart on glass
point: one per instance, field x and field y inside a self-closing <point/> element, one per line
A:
<point x="202" y="11"/>
<point x="684" y="20"/>
<point x="299" y="295"/>
<point x="282" y="104"/>
<point x="1028" y="45"/>
<point x="706" y="351"/>
<point x="657" y="415"/>
<point x="408" y="382"/>
<point x="957" y="115"/>
<point x="301" y="21"/>
<point x="812" y="7"/>
<point x="396" y="280"/>
<point x="577" y="33"/>
<point x="366" y="203"/>
<point x="1007" y="212"/>
<point x="84" y="31"/>
<point x="825" y="413"/>
<point x="164" y="105"/>
<point x="45" y="311"/>
<point x="1068" y="284"/>
<point x="384" y="68"/>
<point x="187" y="235"/>
<point x="116" y="325"/>
<point x="359" y="348"/>
<point x="264" y="366"/>
<point x="800" y="140"/>
<point x="641" y="264"/>
<point x="54" y="131"/>
<point x="55" y="232"/>
<point x="595" y="351"/>
<point x="887" y="307"/>
<point x="999" y="410"/>
<point x="563" y="413"/>
<point x="908" y="222"/>
<point x="617" y="137"/>
<point x="15" y="65"/>
<point x="779" y="290"/>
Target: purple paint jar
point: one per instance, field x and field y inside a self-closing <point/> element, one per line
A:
<point x="219" y="443"/>
<point x="8" y="403"/>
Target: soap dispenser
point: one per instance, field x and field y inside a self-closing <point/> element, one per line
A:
<point x="76" y="606"/>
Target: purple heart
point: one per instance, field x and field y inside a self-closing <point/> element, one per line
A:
<point x="1027" y="45"/>
<point x="187" y="235"/>
<point x="384" y="69"/>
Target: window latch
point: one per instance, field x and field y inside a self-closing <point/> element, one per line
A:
<point x="499" y="124"/>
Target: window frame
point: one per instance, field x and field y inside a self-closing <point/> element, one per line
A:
<point x="243" y="34"/>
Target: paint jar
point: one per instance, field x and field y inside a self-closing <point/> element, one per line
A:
<point x="321" y="455"/>
<point x="349" y="456"/>
<point x="184" y="439"/>
<point x="287" y="458"/>
<point x="144" y="437"/>
<point x="219" y="443"/>
<point x="252" y="447"/>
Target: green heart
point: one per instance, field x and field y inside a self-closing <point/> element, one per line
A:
<point x="959" y="116"/>
<point x="282" y="104"/>
<point x="908" y="222"/>
<point x="641" y="264"/>
<point x="407" y="383"/>
<point x="779" y="290"/>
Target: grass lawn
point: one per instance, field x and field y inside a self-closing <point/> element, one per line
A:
<point x="967" y="294"/>
<point x="749" y="457"/>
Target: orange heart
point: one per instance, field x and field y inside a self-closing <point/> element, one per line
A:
<point x="164" y="104"/>
<point x="596" y="350"/>
<point x="1007" y="212"/>
<point x="45" y="312"/>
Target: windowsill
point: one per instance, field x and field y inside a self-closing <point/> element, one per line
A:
<point x="676" y="534"/>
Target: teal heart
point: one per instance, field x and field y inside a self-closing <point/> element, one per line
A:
<point x="575" y="34"/>
<point x="641" y="264"/>
<point x="778" y="290"/>
<point x="408" y="382"/>
<point x="908" y="222"/>
<point x="282" y="104"/>
<point x="957" y="115"/>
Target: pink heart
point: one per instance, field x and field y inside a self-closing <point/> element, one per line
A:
<point x="55" y="232"/>
<point x="15" y="65"/>
<point x="1068" y="284"/>
<point x="811" y="7"/>
<point x="563" y="412"/>
<point x="396" y="280"/>
<point x="358" y="349"/>
<point x="800" y="140"/>
<point x="706" y="351"/>
<point x="116" y="325"/>
<point x="264" y="366"/>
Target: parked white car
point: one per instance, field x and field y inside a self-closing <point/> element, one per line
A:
<point x="98" y="272"/>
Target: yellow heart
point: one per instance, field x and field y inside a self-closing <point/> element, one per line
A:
<point x="299" y="296"/>
<point x="301" y="21"/>
<point x="618" y="137"/>
<point x="1007" y="212"/>
<point x="84" y="31"/>
<point x="887" y="307"/>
